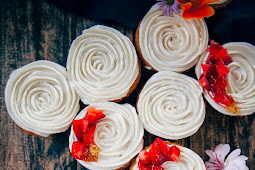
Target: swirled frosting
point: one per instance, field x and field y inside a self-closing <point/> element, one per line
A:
<point x="188" y="160"/>
<point x="171" y="105"/>
<point x="119" y="135"/>
<point x="102" y="65"/>
<point x="240" y="79"/>
<point x="171" y="43"/>
<point x="39" y="99"/>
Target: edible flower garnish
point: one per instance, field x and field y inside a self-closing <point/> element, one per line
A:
<point x="196" y="8"/>
<point x="219" y="161"/>
<point x="169" y="6"/>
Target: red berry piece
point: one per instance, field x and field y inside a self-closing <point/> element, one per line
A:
<point x="222" y="97"/>
<point x="157" y="168"/>
<point x="175" y="153"/>
<point x="221" y="69"/>
<point x="144" y="157"/>
<point x="164" y="149"/>
<point x="220" y="83"/>
<point x="214" y="48"/>
<point x="89" y="135"/>
<point x="142" y="166"/>
<point x="204" y="83"/>
<point x="80" y="126"/>
<point x="79" y="150"/>
<point x="157" y="157"/>
<point x="223" y="55"/>
<point x="207" y="69"/>
<point x="94" y="115"/>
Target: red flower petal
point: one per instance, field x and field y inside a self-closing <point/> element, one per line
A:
<point x="199" y="13"/>
<point x="185" y="5"/>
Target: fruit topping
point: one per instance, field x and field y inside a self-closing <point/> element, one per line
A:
<point x="79" y="150"/>
<point x="157" y="168"/>
<point x="84" y="129"/>
<point x="214" y="74"/>
<point x="94" y="115"/>
<point x="159" y="153"/>
<point x="89" y="135"/>
<point x="156" y="155"/>
<point x="175" y="153"/>
<point x="144" y="157"/>
<point x="80" y="127"/>
<point x="221" y="69"/>
<point x="204" y="83"/>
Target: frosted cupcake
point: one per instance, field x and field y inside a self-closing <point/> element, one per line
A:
<point x="102" y="65"/>
<point x="170" y="43"/>
<point x="39" y="99"/>
<point x="171" y="105"/>
<point x="165" y="155"/>
<point x="110" y="137"/>
<point x="236" y="72"/>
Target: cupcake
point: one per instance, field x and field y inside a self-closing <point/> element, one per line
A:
<point x="39" y="98"/>
<point x="166" y="155"/>
<point x="115" y="139"/>
<point x="170" y="43"/>
<point x="171" y="105"/>
<point x="236" y="77"/>
<point x="102" y="65"/>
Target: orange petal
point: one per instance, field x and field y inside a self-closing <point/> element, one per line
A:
<point x="199" y="13"/>
<point x="205" y="2"/>
<point x="187" y="5"/>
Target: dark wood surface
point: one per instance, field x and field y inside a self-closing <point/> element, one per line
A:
<point x="33" y="30"/>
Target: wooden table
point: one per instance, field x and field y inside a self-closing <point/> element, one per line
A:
<point x="33" y="30"/>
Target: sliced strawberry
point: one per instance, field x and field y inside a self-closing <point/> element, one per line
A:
<point x="89" y="135"/>
<point x="164" y="149"/>
<point x="157" y="157"/>
<point x="142" y="166"/>
<point x="214" y="48"/>
<point x="222" y="97"/>
<point x="79" y="150"/>
<point x="157" y="168"/>
<point x="80" y="126"/>
<point x="220" y="82"/>
<point x="221" y="69"/>
<point x="94" y="115"/>
<point x="144" y="157"/>
<point x="175" y="153"/>
<point x="204" y="83"/>
<point x="207" y="68"/>
<point x="223" y="55"/>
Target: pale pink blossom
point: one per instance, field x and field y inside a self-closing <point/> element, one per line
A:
<point x="218" y="160"/>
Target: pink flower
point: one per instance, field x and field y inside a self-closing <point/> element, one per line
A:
<point x="217" y="160"/>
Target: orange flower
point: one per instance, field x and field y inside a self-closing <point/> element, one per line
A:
<point x="196" y="8"/>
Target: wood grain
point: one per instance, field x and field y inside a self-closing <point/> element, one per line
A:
<point x="34" y="30"/>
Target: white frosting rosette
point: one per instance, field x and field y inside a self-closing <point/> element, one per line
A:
<point x="171" y="43"/>
<point x="188" y="160"/>
<point x="39" y="99"/>
<point x="171" y="105"/>
<point x="119" y="135"/>
<point x="240" y="79"/>
<point x="102" y="65"/>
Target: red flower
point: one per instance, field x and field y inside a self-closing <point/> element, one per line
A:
<point x="196" y="8"/>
